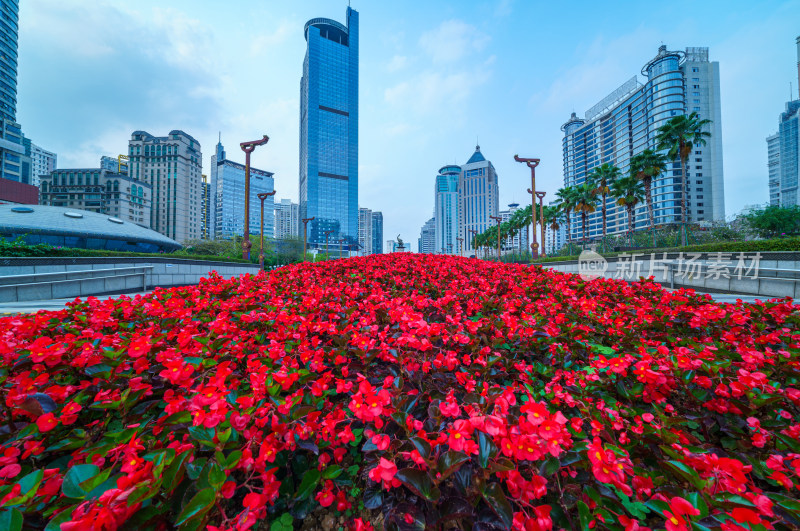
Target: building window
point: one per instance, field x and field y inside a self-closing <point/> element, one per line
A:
<point x="695" y="69"/>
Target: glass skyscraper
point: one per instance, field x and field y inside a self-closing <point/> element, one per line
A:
<point x="14" y="161"/>
<point x="329" y="130"/>
<point x="446" y="222"/>
<point x="784" y="153"/>
<point x="626" y="122"/>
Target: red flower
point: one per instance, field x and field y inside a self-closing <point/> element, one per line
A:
<point x="46" y="422"/>
<point x="678" y="508"/>
<point x="384" y="473"/>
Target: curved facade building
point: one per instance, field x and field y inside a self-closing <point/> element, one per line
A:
<point x="446" y="211"/>
<point x="626" y="123"/>
<point x="65" y="227"/>
<point x="329" y="130"/>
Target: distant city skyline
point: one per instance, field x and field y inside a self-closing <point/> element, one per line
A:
<point x="430" y="83"/>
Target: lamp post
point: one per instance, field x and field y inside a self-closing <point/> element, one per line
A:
<point x="460" y="247"/>
<point x="498" y="219"/>
<point x="327" y="237"/>
<point x="540" y="196"/>
<point x="248" y="147"/>
<point x="472" y="244"/>
<point x="532" y="163"/>
<point x="261" y="252"/>
<point x="305" y="235"/>
<point x="341" y="247"/>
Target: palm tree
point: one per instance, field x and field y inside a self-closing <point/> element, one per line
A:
<point x="566" y="198"/>
<point x="629" y="192"/>
<point x="646" y="166"/>
<point x="678" y="137"/>
<point x="554" y="214"/>
<point x="600" y="179"/>
<point x="585" y="203"/>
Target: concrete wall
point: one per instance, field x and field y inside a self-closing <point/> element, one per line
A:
<point x="777" y="275"/>
<point x="15" y="287"/>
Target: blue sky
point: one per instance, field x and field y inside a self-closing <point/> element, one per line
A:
<point x="434" y="77"/>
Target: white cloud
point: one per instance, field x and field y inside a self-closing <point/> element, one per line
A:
<point x="266" y="42"/>
<point x="398" y="62"/>
<point x="452" y="41"/>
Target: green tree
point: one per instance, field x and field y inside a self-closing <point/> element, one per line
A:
<point x="585" y="203"/>
<point x="601" y="178"/>
<point x="678" y="137"/>
<point x="629" y="192"/>
<point x="647" y="166"/>
<point x="774" y="221"/>
<point x="566" y="198"/>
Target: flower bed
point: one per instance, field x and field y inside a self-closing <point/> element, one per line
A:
<point x="405" y="392"/>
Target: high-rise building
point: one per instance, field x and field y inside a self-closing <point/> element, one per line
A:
<point x="42" y="162"/>
<point x="205" y="233"/>
<point x="446" y="211"/>
<point x="287" y="220"/>
<point x="99" y="190"/>
<point x="173" y="166"/>
<point x="626" y="122"/>
<point x="479" y="197"/>
<point x="364" y="231"/>
<point x="783" y="149"/>
<point x="427" y="239"/>
<point x="227" y="185"/>
<point x="517" y="242"/>
<point x="14" y="162"/>
<point x="377" y="232"/>
<point x="329" y="129"/>
<point x="774" y="168"/>
<point x="115" y="164"/>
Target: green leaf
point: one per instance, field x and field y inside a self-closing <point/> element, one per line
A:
<point x="584" y="515"/>
<point x="451" y="461"/>
<point x="696" y="499"/>
<point x="332" y="472"/>
<point x="29" y="484"/>
<point x="309" y="483"/>
<point x="486" y="449"/>
<point x="233" y="459"/>
<point x="496" y="498"/>
<point x="684" y="472"/>
<point x="422" y="446"/>
<point x="64" y="516"/>
<point x="11" y="520"/>
<point x="550" y="466"/>
<point x="198" y="506"/>
<point x="419" y="482"/>
<point x="216" y="476"/>
<point x="71" y="487"/>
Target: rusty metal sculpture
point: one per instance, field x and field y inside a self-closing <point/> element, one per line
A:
<point x="248" y="147"/>
<point x="261" y="252"/>
<point x="532" y="163"/>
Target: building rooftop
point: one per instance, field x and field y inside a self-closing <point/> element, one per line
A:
<point x="477" y="156"/>
<point x="60" y="221"/>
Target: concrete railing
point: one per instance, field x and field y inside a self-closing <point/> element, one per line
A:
<point x="760" y="274"/>
<point x="51" y="278"/>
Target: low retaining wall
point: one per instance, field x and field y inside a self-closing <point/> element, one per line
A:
<point x="161" y="272"/>
<point x="767" y="274"/>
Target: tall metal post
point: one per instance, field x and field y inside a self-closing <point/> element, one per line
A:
<point x="498" y="219"/>
<point x="305" y="235"/>
<point x="460" y="247"/>
<point x="261" y="252"/>
<point x="541" y="195"/>
<point x="532" y="163"/>
<point x="248" y="147"/>
<point x="327" y="237"/>
<point x="472" y="243"/>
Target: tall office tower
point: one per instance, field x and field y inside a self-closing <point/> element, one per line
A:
<point x="518" y="242"/>
<point x="364" y="231"/>
<point x="205" y="233"/>
<point x="774" y="168"/>
<point x="42" y="163"/>
<point x="478" y="195"/>
<point x="173" y="166"/>
<point x="99" y="190"/>
<point x="287" y="220"/>
<point x="446" y="211"/>
<point x="329" y="130"/>
<point x="12" y="150"/>
<point x="427" y="239"/>
<point x="626" y="122"/>
<point x="783" y="150"/>
<point x="115" y="164"/>
<point x="227" y="189"/>
<point x="377" y="232"/>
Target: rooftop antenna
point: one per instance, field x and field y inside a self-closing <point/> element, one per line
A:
<point x="220" y="137"/>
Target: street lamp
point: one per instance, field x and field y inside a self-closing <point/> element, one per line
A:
<point x="460" y="247"/>
<point x="532" y="163"/>
<point x="261" y="253"/>
<point x="540" y="196"/>
<point x="472" y="244"/>
<point x="305" y="235"/>
<point x="327" y="237"/>
<point x="498" y="219"/>
<point x="248" y="147"/>
<point x="341" y="247"/>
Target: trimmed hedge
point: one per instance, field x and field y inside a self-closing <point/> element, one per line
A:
<point x="16" y="250"/>
<point x="775" y="245"/>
